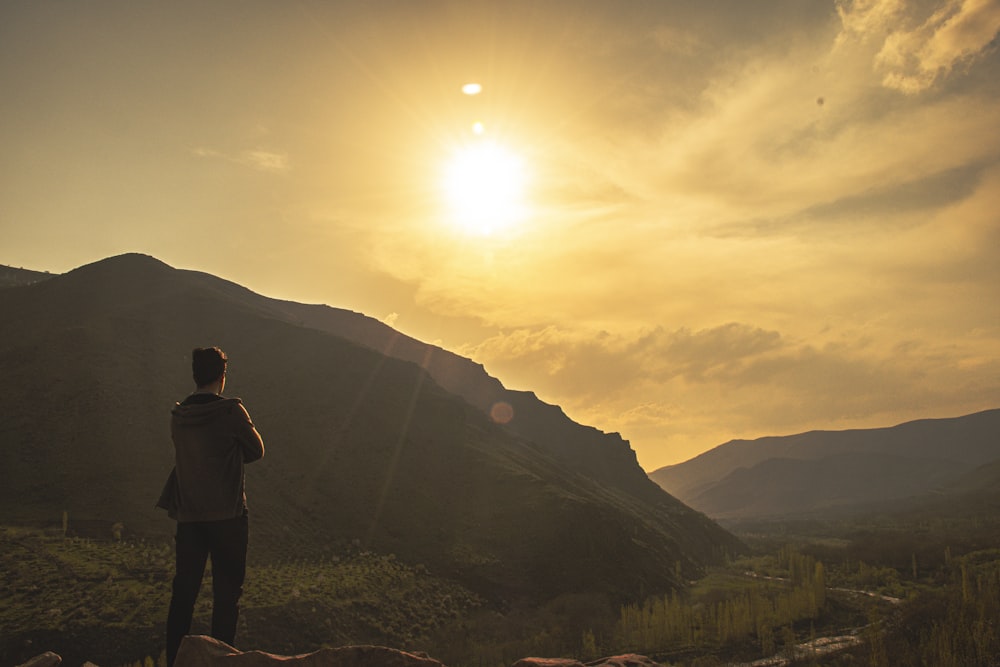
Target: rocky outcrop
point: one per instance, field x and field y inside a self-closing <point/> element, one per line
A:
<point x="627" y="660"/>
<point x="198" y="651"/>
<point x="201" y="651"/>
<point x="47" y="659"/>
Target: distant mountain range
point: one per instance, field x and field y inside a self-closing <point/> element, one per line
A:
<point x="924" y="463"/>
<point x="373" y="438"/>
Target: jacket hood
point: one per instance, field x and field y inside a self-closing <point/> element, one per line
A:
<point x="190" y="414"/>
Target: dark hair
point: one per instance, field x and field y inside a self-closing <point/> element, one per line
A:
<point x="208" y="365"/>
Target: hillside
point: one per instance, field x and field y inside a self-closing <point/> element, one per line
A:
<point x="14" y="277"/>
<point x="971" y="497"/>
<point x="362" y="448"/>
<point x="602" y="456"/>
<point x="825" y="471"/>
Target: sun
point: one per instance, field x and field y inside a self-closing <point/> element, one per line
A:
<point x="484" y="187"/>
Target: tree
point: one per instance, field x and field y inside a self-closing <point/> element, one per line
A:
<point x="878" y="654"/>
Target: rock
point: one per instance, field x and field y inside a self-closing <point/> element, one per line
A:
<point x="201" y="651"/>
<point x="547" y="662"/>
<point x="47" y="659"/>
<point x="626" y="660"/>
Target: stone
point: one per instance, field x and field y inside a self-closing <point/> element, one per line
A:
<point x="626" y="660"/>
<point x="547" y="662"/>
<point x="47" y="659"/>
<point x="201" y="651"/>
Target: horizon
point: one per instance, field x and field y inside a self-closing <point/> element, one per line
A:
<point x="682" y="224"/>
<point x="705" y="451"/>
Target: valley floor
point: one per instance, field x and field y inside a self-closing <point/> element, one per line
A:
<point x="826" y="596"/>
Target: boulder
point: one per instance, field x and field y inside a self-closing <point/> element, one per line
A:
<point x="626" y="660"/>
<point x="201" y="651"/>
<point x="47" y="659"/>
<point x="547" y="662"/>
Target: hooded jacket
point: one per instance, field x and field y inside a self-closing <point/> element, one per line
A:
<point x="213" y="437"/>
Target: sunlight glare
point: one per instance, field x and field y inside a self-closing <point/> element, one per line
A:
<point x="484" y="187"/>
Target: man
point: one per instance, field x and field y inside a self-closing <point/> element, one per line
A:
<point x="213" y="437"/>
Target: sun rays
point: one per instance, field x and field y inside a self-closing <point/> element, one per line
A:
<point x="484" y="187"/>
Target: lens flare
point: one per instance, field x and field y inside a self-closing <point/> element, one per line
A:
<point x="502" y="412"/>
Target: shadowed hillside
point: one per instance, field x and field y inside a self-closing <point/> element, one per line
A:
<point x="605" y="457"/>
<point x="13" y="277"/>
<point x="361" y="447"/>
<point x="823" y="471"/>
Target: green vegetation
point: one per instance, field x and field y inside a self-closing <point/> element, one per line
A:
<point x="956" y="625"/>
<point x="802" y="590"/>
<point x="755" y="609"/>
<point x="106" y="601"/>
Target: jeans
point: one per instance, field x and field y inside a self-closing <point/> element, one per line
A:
<point x="226" y="542"/>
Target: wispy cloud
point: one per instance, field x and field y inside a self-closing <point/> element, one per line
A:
<point x="265" y="160"/>
<point x="261" y="160"/>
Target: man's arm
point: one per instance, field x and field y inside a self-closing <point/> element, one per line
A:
<point x="250" y="441"/>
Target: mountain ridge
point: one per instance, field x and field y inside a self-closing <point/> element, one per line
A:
<point x="362" y="447"/>
<point x="532" y="417"/>
<point x="813" y="471"/>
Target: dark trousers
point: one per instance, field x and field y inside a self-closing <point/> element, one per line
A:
<point x="226" y="543"/>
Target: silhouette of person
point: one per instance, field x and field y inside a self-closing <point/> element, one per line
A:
<point x="213" y="437"/>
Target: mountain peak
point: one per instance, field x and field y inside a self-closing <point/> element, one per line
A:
<point x="125" y="263"/>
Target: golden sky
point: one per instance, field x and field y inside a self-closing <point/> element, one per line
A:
<point x="739" y="219"/>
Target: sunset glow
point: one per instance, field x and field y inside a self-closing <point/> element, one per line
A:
<point x="684" y="222"/>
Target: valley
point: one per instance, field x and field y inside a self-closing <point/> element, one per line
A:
<point x="393" y="507"/>
<point x="846" y="593"/>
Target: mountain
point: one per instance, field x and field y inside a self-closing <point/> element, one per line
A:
<point x="985" y="479"/>
<point x="827" y="471"/>
<point x="603" y="456"/>
<point x="14" y="277"/>
<point x="362" y="447"/>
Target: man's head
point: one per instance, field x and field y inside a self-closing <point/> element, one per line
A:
<point x="208" y="365"/>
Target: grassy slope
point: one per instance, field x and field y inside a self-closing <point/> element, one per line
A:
<point x="106" y="600"/>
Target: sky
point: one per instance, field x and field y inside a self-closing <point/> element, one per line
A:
<point x="685" y="222"/>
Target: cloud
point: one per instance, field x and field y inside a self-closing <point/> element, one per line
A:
<point x="758" y="147"/>
<point x="264" y="160"/>
<point x="915" y="54"/>
<point x="258" y="159"/>
<point x="732" y="259"/>
<point x="867" y="17"/>
<point x="677" y="392"/>
<point x="606" y="363"/>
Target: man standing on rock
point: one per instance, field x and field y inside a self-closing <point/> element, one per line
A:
<point x="213" y="437"/>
